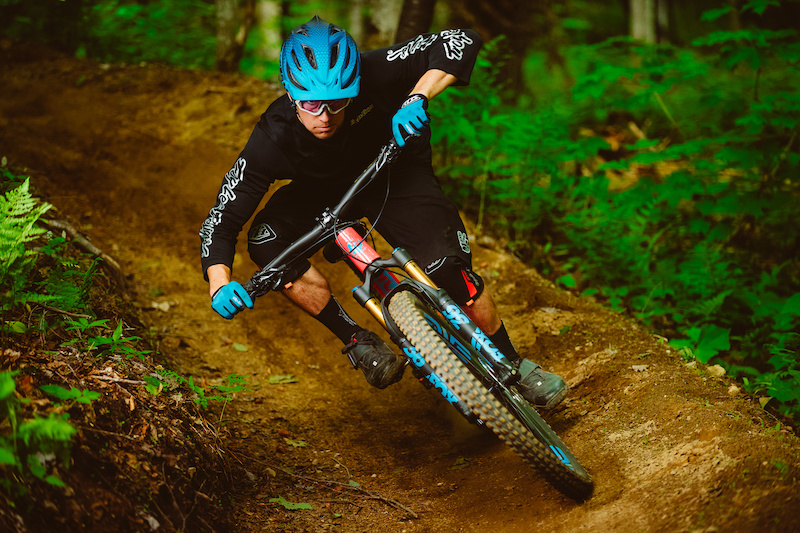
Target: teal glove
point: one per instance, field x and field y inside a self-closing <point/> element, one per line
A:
<point x="411" y="119"/>
<point x="230" y="299"/>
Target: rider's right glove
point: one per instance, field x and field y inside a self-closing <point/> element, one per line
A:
<point x="411" y="119"/>
<point x="230" y="299"/>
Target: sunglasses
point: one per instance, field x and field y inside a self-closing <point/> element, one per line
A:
<point x="316" y="107"/>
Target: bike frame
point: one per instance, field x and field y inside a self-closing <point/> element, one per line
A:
<point x="471" y="344"/>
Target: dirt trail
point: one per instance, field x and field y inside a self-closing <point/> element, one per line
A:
<point x="134" y="156"/>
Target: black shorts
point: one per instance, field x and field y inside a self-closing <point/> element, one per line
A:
<point x="417" y="216"/>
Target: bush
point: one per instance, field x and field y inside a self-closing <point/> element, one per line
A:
<point x="667" y="182"/>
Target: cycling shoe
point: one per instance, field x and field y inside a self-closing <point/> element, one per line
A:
<point x="381" y="366"/>
<point x="542" y="389"/>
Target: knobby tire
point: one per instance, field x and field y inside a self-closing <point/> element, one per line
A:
<point x="408" y="312"/>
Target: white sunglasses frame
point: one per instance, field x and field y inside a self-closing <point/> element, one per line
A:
<point x="323" y="108"/>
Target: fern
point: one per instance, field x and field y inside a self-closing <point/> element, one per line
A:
<point x="19" y="211"/>
<point x="708" y="308"/>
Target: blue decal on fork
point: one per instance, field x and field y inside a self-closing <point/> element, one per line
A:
<point x="460" y="350"/>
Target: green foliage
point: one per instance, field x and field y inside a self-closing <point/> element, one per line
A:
<point x="180" y="32"/>
<point x="688" y="222"/>
<point x="97" y="337"/>
<point x="780" y="381"/>
<point x="28" y="447"/>
<point x="73" y="394"/>
<point x="174" y="382"/>
<point x="115" y="344"/>
<point x="19" y="211"/>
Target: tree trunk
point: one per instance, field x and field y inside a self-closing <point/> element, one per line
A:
<point x="735" y="19"/>
<point x="231" y="33"/>
<point x="415" y="18"/>
<point x="643" y="20"/>
<point x="662" y="21"/>
<point x="355" y="17"/>
<point x="382" y="23"/>
<point x="554" y="42"/>
<point x="267" y="29"/>
<point x="519" y="23"/>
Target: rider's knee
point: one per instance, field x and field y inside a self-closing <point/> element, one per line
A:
<point x="455" y="276"/>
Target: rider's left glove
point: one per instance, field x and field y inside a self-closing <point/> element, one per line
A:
<point x="230" y="299"/>
<point x="411" y="119"/>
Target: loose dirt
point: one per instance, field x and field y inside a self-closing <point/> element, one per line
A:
<point x="133" y="156"/>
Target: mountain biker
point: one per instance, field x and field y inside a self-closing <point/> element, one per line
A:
<point x="340" y="108"/>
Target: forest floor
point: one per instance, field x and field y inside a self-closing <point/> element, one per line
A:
<point x="133" y="156"/>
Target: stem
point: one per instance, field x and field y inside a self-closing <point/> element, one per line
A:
<point x="783" y="154"/>
<point x="62" y="312"/>
<point x="666" y="111"/>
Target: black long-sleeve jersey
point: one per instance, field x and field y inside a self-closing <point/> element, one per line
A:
<point x="281" y="148"/>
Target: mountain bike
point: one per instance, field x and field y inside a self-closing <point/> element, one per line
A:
<point x="445" y="349"/>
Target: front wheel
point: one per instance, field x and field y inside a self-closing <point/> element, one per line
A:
<point x="524" y="430"/>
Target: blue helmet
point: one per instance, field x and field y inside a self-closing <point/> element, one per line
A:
<point x="320" y="61"/>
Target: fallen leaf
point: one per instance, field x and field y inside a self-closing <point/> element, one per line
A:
<point x="290" y="505"/>
<point x="278" y="379"/>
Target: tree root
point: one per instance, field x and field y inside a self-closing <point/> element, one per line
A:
<point x="109" y="263"/>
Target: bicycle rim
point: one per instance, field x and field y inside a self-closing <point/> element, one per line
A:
<point x="524" y="431"/>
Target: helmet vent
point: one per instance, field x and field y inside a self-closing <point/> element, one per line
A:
<point x="351" y="79"/>
<point x="310" y="56"/>
<point x="294" y="81"/>
<point x="335" y="55"/>
<point x="296" y="61"/>
<point x="354" y="74"/>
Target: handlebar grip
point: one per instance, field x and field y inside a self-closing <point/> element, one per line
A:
<point x="250" y="287"/>
<point x="406" y="136"/>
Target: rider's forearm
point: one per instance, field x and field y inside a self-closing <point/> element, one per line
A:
<point x="433" y="82"/>
<point x="218" y="275"/>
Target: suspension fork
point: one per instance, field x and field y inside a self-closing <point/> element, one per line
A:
<point x="379" y="281"/>
<point x="383" y="281"/>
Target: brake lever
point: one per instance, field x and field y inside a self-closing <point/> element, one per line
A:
<point x="262" y="282"/>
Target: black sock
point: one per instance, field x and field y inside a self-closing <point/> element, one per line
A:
<point x="501" y="340"/>
<point x="338" y="321"/>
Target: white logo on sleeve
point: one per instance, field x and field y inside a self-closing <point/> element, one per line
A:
<point x="417" y="45"/>
<point x="226" y="194"/>
<point x="463" y="241"/>
<point x="454" y="43"/>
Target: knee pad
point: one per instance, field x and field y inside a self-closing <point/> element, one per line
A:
<point x="455" y="276"/>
